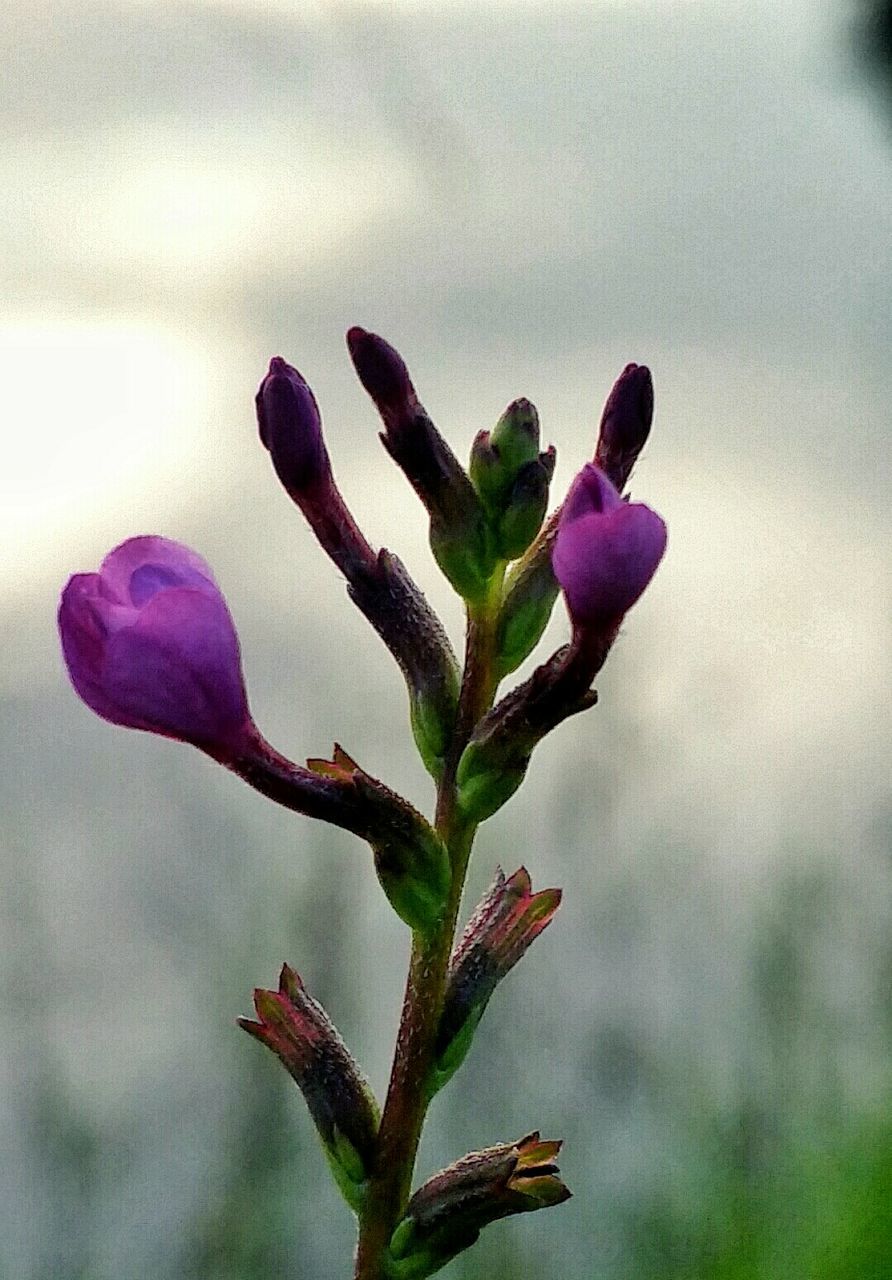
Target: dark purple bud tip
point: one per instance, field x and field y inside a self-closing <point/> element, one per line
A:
<point x="150" y="644"/>
<point x="291" y="427"/>
<point x="625" y="422"/>
<point x="606" y="550"/>
<point x="382" y="371"/>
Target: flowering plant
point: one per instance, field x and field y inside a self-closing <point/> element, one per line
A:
<point x="150" y="644"/>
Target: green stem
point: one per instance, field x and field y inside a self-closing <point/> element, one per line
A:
<point x="407" y="1098"/>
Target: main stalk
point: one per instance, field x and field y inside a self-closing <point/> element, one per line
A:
<point x="407" y="1094"/>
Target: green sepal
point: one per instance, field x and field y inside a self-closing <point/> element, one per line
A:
<point x="455" y="1053"/>
<point x="431" y="731"/>
<point x="522" y="623"/>
<point x="482" y="789"/>
<point x="347" y="1170"/>
<point x="408" y="1258"/>
<point x="417" y="893"/>
<point x="401" y="1240"/>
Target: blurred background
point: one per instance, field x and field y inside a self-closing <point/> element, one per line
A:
<point x="522" y="197"/>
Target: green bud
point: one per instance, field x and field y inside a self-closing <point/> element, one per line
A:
<point x="526" y="506"/>
<point x="486" y="472"/>
<point x="498" y="457"/>
<point x="515" y="437"/>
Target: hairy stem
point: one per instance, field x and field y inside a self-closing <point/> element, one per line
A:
<point x="407" y="1099"/>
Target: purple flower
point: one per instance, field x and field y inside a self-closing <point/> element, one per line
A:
<point x="291" y="428"/>
<point x="149" y="643"/>
<point x="606" y="550"/>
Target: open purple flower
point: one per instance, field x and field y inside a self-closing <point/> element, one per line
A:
<point x="149" y="643"/>
<point x="606" y="550"/>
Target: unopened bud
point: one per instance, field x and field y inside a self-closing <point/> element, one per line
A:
<point x="526" y="506"/>
<point x="515" y="437"/>
<point x="304" y="1039"/>
<point x="508" y="919"/>
<point x="383" y="373"/>
<point x="512" y="478"/>
<point x="291" y="428"/>
<point x="459" y="537"/>
<point x="486" y="472"/>
<point x="625" y="423"/>
<point x="446" y="1215"/>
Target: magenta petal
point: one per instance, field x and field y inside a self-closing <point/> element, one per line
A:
<point x="149" y="643"/>
<point x="181" y="565"/>
<point x="178" y="669"/>
<point x="606" y="550"/>
<point x="590" y="493"/>
<point x="84" y="633"/>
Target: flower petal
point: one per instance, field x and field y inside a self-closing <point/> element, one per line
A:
<point x="606" y="550"/>
<point x="129" y="571"/>
<point x="177" y="670"/>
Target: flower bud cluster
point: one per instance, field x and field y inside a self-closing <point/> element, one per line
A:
<point x="150" y="644"/>
<point x="512" y="478"/>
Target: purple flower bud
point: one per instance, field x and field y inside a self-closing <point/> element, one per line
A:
<point x="625" y="423"/>
<point x="150" y="644"/>
<point x="606" y="550"/>
<point x="291" y="428"/>
<point x="383" y="373"/>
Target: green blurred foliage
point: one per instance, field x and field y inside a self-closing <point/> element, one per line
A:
<point x="819" y="1208"/>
